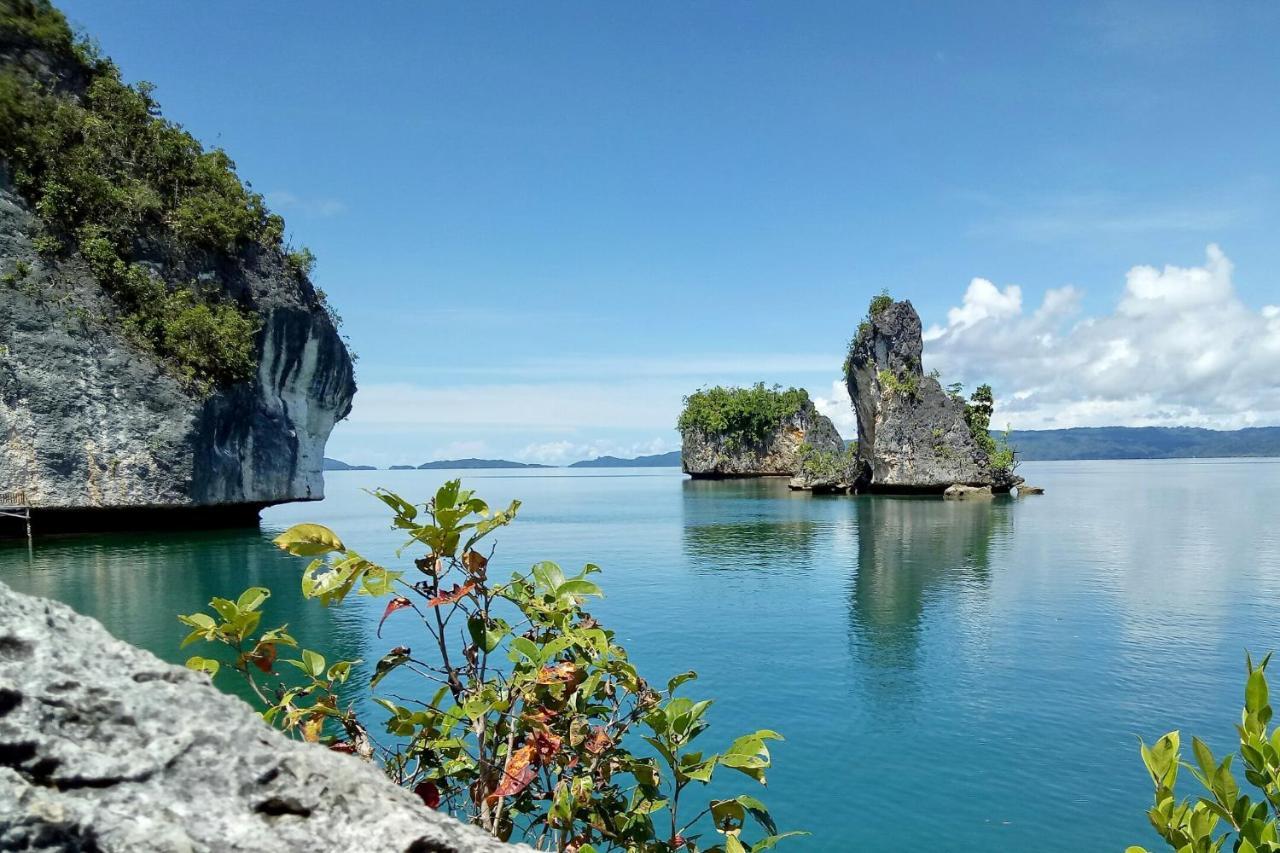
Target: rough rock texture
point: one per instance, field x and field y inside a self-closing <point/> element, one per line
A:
<point x="711" y="456"/>
<point x="88" y="420"/>
<point x="1024" y="489"/>
<point x="104" y="747"/>
<point x="908" y="440"/>
<point x="962" y="492"/>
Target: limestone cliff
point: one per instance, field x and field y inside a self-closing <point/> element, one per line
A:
<point x="912" y="435"/>
<point x="764" y="433"/>
<point x="104" y="747"/>
<point x="91" y="416"/>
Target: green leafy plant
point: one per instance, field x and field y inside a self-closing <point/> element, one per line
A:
<point x="903" y="383"/>
<point x="879" y="303"/>
<point x="533" y="724"/>
<point x="1223" y="814"/>
<point x="829" y="465"/>
<point x="740" y="416"/>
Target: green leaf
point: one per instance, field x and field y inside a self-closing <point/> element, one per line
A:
<point x="390" y="661"/>
<point x="314" y="663"/>
<point x="578" y="588"/>
<point x="202" y="621"/>
<point x="1255" y="691"/>
<point x="252" y="598"/>
<point x="677" y="680"/>
<point x="200" y="664"/>
<point x="482" y="635"/>
<point x="547" y="576"/>
<point x="309" y="540"/>
<point x="770" y="841"/>
<point x="526" y="647"/>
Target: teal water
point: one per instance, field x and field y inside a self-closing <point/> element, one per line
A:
<point x="949" y="676"/>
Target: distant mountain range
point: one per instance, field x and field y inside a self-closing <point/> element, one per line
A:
<point x="1144" y="443"/>
<point x="659" y="460"/>
<point x="478" y="463"/>
<point x="1032" y="445"/>
<point x="339" y="465"/>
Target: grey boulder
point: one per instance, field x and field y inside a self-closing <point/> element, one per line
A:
<point x="104" y="747"/>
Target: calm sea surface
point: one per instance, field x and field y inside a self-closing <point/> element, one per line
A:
<point x="949" y="676"/>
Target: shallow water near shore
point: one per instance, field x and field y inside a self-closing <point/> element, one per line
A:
<point x="960" y="676"/>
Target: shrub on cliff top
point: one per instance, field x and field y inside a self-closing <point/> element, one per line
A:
<point x="108" y="176"/>
<point x="530" y="709"/>
<point x="740" y="416"/>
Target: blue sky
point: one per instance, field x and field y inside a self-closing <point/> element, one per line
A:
<point x="544" y="223"/>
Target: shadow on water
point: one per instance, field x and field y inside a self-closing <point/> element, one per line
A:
<point x="909" y="551"/>
<point x="136" y="584"/>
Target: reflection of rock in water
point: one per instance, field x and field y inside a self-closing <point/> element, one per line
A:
<point x="732" y="525"/>
<point x="136" y="585"/>
<point x="909" y="548"/>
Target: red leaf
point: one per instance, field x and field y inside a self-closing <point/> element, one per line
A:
<point x="452" y="595"/>
<point x="393" y="605"/>
<point x="598" y="741"/>
<point x="429" y="794"/>
<point x="264" y="656"/>
<point x="518" y="773"/>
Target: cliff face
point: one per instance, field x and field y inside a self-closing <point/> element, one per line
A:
<point x="912" y="435"/>
<point x="93" y="418"/>
<point x="89" y="420"/>
<point x="104" y="747"/>
<point x="709" y="455"/>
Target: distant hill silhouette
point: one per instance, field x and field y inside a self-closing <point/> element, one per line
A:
<point x="403" y="468"/>
<point x="1144" y="443"/>
<point x="659" y="460"/>
<point x="339" y="465"/>
<point x="478" y="463"/>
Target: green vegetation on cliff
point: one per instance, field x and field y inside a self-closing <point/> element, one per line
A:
<point x="109" y="177"/>
<point x="740" y="416"/>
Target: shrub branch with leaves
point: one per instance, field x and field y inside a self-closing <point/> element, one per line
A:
<point x="531" y="709"/>
<point x="1223" y="814"/>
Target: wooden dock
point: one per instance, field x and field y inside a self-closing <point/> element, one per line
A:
<point x="15" y="506"/>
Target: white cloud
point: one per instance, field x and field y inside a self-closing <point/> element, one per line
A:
<point x="839" y="408"/>
<point x="564" y="452"/>
<point x="1179" y="348"/>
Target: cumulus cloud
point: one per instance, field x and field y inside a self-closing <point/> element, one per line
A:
<point x="839" y="408"/>
<point x="1180" y="347"/>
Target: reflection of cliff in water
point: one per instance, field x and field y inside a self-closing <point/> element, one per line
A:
<point x="732" y="525"/>
<point x="137" y="584"/>
<point x="911" y="550"/>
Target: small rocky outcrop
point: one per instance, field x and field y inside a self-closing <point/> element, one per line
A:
<point x="912" y="435"/>
<point x="963" y="492"/>
<point x="1024" y="489"/>
<point x="766" y="447"/>
<point x="104" y="747"/>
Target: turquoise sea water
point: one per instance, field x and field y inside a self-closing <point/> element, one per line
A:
<point x="949" y="676"/>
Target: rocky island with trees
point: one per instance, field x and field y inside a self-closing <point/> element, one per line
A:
<point x="914" y="436"/>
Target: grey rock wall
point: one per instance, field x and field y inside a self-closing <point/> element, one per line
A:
<point x="103" y="747"/>
<point x="88" y="420"/>
<point x="704" y="455"/>
<point x="917" y="441"/>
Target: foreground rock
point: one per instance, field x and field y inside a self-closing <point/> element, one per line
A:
<point x="1024" y="489"/>
<point x="912" y="435"/>
<point x="90" y="420"/>
<point x="963" y="492"/>
<point x="777" y="453"/>
<point x="104" y="747"/>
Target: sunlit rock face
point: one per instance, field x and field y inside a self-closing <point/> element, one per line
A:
<point x="89" y="421"/>
<point x="105" y="747"/>
<point x="710" y="456"/>
<point x="912" y="435"/>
